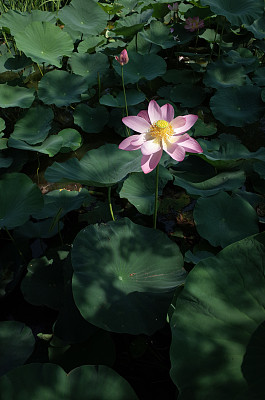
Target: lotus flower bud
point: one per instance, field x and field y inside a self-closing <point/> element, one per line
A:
<point x="123" y="57"/>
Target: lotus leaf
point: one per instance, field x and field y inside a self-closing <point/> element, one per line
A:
<point x="114" y="286"/>
<point x="216" y="317"/>
<point x="222" y="219"/>
<point x="19" y="199"/>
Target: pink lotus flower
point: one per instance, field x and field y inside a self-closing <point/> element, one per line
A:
<point x="159" y="131"/>
<point x="123" y="57"/>
<point x="193" y="24"/>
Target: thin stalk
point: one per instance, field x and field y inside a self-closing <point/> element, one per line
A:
<point x="40" y="69"/>
<point x="110" y="205"/>
<point x="156" y="196"/>
<point x="16" y="246"/>
<point x="125" y="100"/>
<point x="6" y="42"/>
<point x="99" y="86"/>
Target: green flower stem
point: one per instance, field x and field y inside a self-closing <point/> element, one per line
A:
<point x="156" y="196"/>
<point x="110" y="205"/>
<point x="15" y="244"/>
<point x="125" y="100"/>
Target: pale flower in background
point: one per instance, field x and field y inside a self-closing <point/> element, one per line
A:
<point x="193" y="24"/>
<point x="159" y="131"/>
<point x="123" y="57"/>
<point x="173" y="7"/>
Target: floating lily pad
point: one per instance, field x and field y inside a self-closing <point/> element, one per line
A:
<point x="17" y="21"/>
<point x="237" y="12"/>
<point x="141" y="66"/>
<point x="257" y="28"/>
<point x="63" y="201"/>
<point x="204" y="129"/>
<point x="19" y="199"/>
<point x="224" y="181"/>
<point x="124" y="275"/>
<point x="221" y="74"/>
<point x="130" y="25"/>
<point x="15" y="96"/>
<point x="139" y="189"/>
<point x="50" y="146"/>
<point x="237" y="106"/>
<point x="16" y="345"/>
<point x="223" y="220"/>
<point x="227" y="152"/>
<point x="243" y="57"/>
<point x="133" y="97"/>
<point x="159" y="34"/>
<point x="89" y="44"/>
<point x="104" y="166"/>
<point x="259" y="76"/>
<point x="34" y="127"/>
<point x="91" y="119"/>
<point x="217" y="313"/>
<point x="89" y="66"/>
<point x="61" y="88"/>
<point x="84" y="17"/>
<point x="49" y="381"/>
<point x="72" y="140"/>
<point x="44" y="42"/>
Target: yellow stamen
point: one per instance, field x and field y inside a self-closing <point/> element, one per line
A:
<point x="161" y="129"/>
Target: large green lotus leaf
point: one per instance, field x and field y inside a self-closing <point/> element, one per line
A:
<point x="237" y="106"/>
<point x="17" y="21"/>
<point x="5" y="162"/>
<point x="141" y="66"/>
<point x="39" y="229"/>
<point x="223" y="181"/>
<point x="72" y="140"/>
<point x="104" y="166"/>
<point x="220" y="307"/>
<point x="50" y="146"/>
<point x="90" y="44"/>
<point x="130" y="25"/>
<point x="133" y="97"/>
<point x="186" y="95"/>
<point x="45" y="381"/>
<point x="259" y="76"/>
<point x="61" y="88"/>
<point x="204" y="129"/>
<point x="16" y="345"/>
<point x="15" y="96"/>
<point x="244" y="57"/>
<point x="62" y="201"/>
<point x="139" y="45"/>
<point x="194" y="169"/>
<point x="238" y="12"/>
<point x="124" y="275"/>
<point x="159" y="34"/>
<point x="139" y="189"/>
<point x="253" y="362"/>
<point x="89" y="66"/>
<point x="257" y="28"/>
<point x="44" y="42"/>
<point x="19" y="199"/>
<point x="222" y="219"/>
<point x="91" y="119"/>
<point x="84" y="17"/>
<point x="227" y="151"/>
<point x="34" y="127"/>
<point x="221" y="75"/>
<point x="17" y="63"/>
<point x="259" y="167"/>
